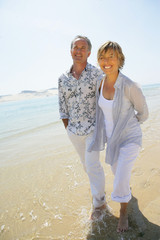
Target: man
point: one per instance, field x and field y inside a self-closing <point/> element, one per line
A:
<point x="77" y="107"/>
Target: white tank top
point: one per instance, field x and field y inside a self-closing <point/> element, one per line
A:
<point x="106" y="106"/>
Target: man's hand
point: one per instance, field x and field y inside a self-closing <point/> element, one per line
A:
<point x="65" y="122"/>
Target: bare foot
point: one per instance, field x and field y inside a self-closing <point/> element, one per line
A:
<point x="123" y="222"/>
<point x="98" y="212"/>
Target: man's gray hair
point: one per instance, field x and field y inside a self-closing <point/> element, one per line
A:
<point x="84" y="38"/>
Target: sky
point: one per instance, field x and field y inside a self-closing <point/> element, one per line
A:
<point x="35" y="37"/>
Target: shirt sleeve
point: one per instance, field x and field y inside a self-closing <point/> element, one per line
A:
<point x="63" y="109"/>
<point x="139" y="102"/>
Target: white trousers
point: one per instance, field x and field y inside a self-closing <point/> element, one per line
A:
<point x="122" y="171"/>
<point x="92" y="166"/>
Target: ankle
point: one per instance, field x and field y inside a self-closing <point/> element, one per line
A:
<point x="123" y="208"/>
<point x="123" y="212"/>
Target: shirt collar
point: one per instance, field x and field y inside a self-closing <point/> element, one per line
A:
<point x="119" y="80"/>
<point x="86" y="68"/>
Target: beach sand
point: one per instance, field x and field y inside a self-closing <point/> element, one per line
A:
<point x="45" y="193"/>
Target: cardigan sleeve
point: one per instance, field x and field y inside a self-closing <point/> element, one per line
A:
<point x="139" y="102"/>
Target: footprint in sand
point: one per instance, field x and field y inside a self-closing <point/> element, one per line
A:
<point x="147" y="184"/>
<point x="155" y="171"/>
<point x="152" y="211"/>
<point x="137" y="172"/>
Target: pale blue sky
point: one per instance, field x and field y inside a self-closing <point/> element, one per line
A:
<point x="35" y="37"/>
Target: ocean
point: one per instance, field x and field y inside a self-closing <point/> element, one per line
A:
<point x="29" y="123"/>
<point x="26" y="127"/>
<point x="20" y="117"/>
<point x="152" y="94"/>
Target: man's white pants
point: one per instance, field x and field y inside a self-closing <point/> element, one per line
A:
<point x="92" y="166"/>
<point x="122" y="171"/>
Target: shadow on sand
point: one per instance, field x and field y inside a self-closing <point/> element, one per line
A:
<point x="139" y="227"/>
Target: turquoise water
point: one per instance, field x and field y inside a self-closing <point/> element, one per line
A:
<point x="152" y="94"/>
<point x="19" y="117"/>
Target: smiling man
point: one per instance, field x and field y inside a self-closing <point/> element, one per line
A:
<point x="77" y="107"/>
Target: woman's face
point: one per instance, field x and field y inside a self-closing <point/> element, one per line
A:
<point x="109" y="62"/>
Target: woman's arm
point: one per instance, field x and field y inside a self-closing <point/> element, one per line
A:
<point x="139" y="102"/>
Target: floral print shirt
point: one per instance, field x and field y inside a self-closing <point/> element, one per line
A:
<point x="77" y="99"/>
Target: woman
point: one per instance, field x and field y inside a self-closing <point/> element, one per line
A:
<point x="121" y="107"/>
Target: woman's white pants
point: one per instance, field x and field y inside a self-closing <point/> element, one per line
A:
<point x="92" y="166"/>
<point x="122" y="171"/>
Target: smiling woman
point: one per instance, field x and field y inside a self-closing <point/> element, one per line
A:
<point x="114" y="50"/>
<point x="121" y="107"/>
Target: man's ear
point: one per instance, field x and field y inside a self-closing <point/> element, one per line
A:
<point x="89" y="53"/>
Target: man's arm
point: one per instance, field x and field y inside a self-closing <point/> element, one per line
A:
<point x="63" y="109"/>
<point x="65" y="122"/>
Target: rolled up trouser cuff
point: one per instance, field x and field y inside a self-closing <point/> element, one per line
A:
<point x="124" y="199"/>
<point x="99" y="202"/>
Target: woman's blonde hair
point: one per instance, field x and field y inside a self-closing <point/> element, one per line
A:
<point x="116" y="47"/>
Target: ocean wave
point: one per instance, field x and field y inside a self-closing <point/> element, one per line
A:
<point x="14" y="133"/>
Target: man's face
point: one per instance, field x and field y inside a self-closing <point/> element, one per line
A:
<point x="79" y="51"/>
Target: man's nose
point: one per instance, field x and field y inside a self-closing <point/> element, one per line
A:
<point x="78" y="49"/>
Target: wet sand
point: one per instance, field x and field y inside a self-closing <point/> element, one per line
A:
<point x="45" y="193"/>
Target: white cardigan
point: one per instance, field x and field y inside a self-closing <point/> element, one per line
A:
<point x="129" y="110"/>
